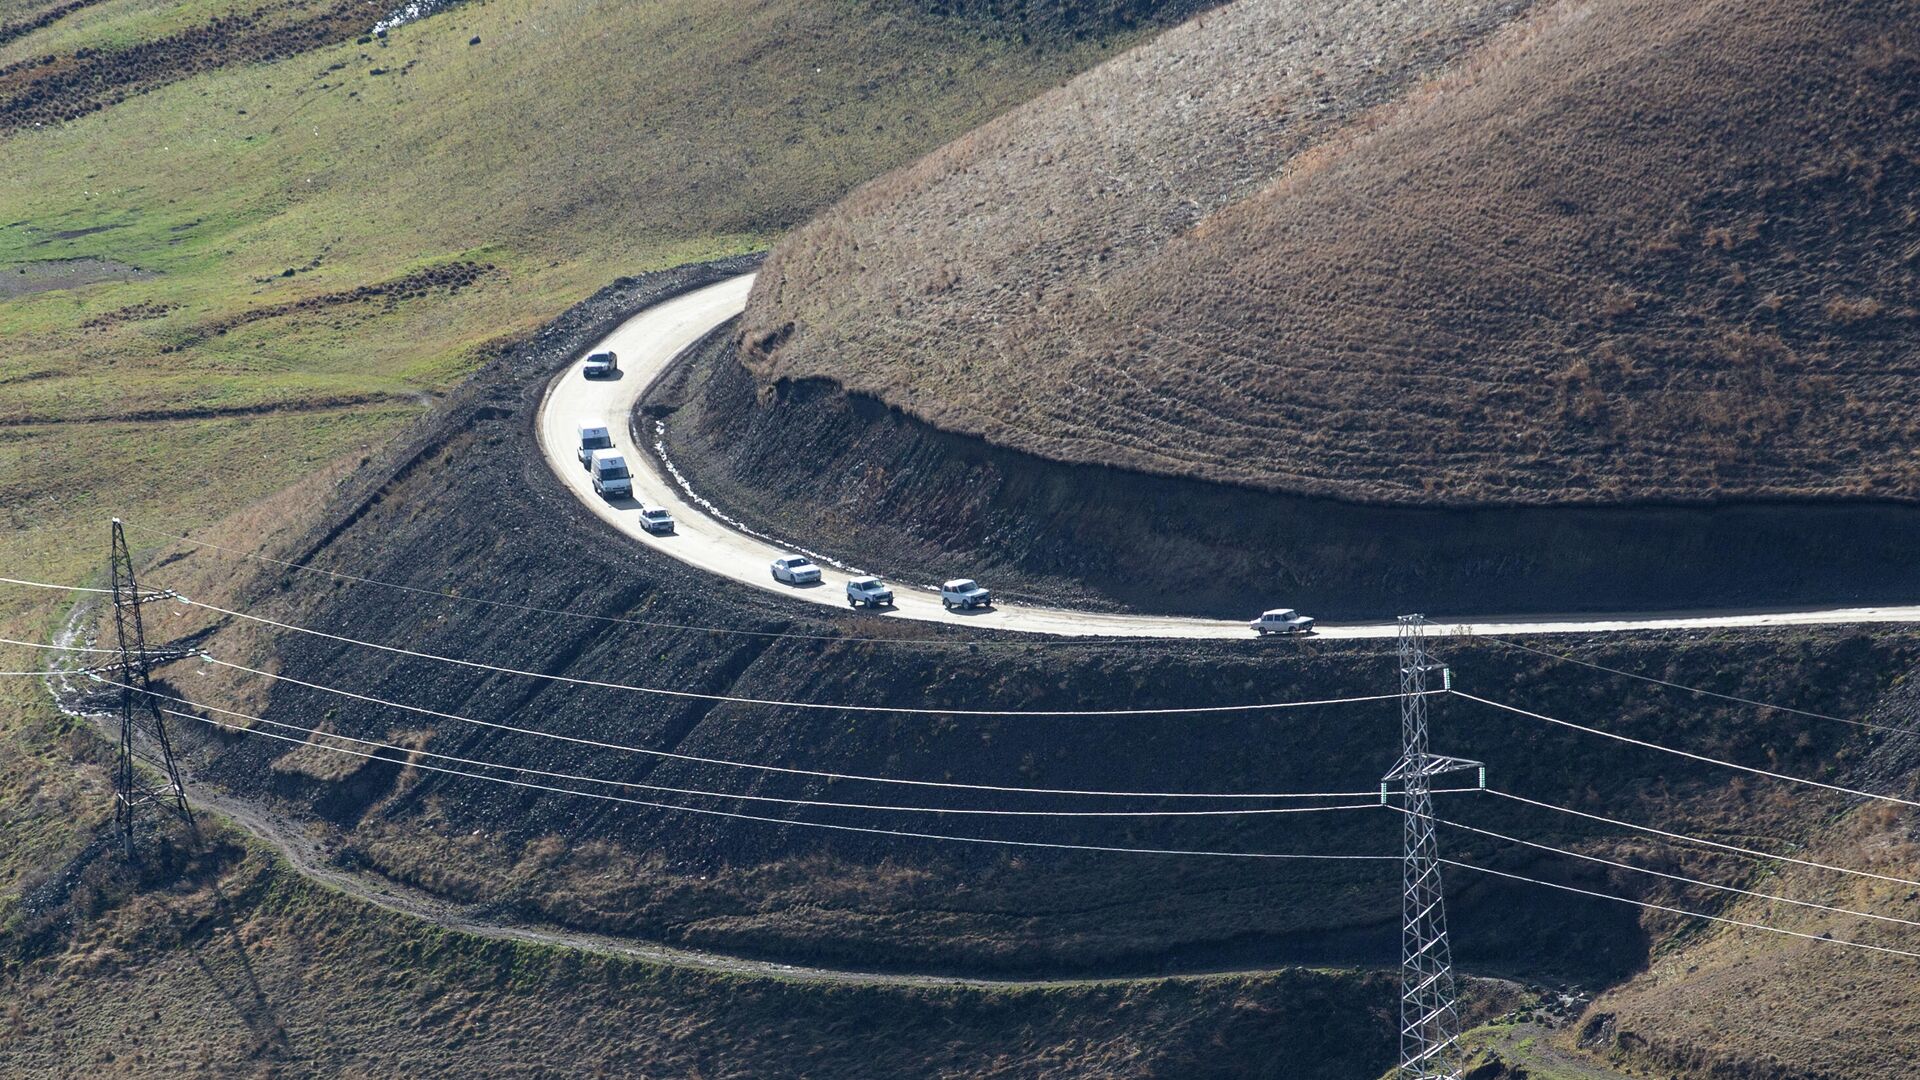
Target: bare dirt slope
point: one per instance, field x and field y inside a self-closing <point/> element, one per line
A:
<point x="1592" y="252"/>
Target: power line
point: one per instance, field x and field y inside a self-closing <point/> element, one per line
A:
<point x="1187" y="710"/>
<point x="1683" y="911"/>
<point x="1687" y="753"/>
<point x="817" y="773"/>
<point x="1675" y="877"/>
<point x="1737" y="849"/>
<point x="725" y="763"/>
<point x="340" y="575"/>
<point x="55" y="588"/>
<point x="55" y="648"/>
<point x="830" y="804"/>
<point x="1692" y="689"/>
<point x="802" y="824"/>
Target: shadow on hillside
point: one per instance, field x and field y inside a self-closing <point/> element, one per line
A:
<point x="222" y="958"/>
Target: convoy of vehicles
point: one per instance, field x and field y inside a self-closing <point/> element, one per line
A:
<point x="870" y="591"/>
<point x="795" y="570"/>
<point x="612" y="481"/>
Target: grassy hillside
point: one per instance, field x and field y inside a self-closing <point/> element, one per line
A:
<point x="291" y="258"/>
<point x="242" y="248"/>
<point x="1615" y="251"/>
<point x="246" y="281"/>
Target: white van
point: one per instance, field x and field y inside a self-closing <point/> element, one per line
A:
<point x="610" y="477"/>
<point x="594" y="435"/>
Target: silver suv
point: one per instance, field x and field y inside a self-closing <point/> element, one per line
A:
<point x="964" y="593"/>
<point x="870" y="591"/>
<point x="601" y="365"/>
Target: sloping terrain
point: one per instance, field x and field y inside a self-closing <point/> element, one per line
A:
<point x="247" y="970"/>
<point x="1716" y="1005"/>
<point x="1608" y="252"/>
<point x="796" y="894"/>
<point x="278" y="251"/>
<point x="240" y="256"/>
<point x="844" y="473"/>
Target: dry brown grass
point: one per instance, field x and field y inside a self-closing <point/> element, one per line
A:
<point x="1731" y="1000"/>
<point x="1599" y="251"/>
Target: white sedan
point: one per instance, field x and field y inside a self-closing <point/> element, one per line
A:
<point x="795" y="570"/>
<point x="1282" y="621"/>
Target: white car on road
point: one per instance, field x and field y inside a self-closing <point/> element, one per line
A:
<point x="1281" y="621"/>
<point x="795" y="570"/>
<point x="610" y="477"/>
<point x="964" y="593"/>
<point x="870" y="591"/>
<point x="656" y="520"/>
<point x="594" y="435"/>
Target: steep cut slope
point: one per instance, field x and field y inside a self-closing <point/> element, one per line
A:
<point x="802" y="896"/>
<point x="1616" y="250"/>
<point x="799" y="895"/>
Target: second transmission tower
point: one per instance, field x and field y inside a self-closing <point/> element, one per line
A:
<point x="1429" y="1019"/>
<point x="136" y="698"/>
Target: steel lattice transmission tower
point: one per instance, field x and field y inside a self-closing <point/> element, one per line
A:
<point x="136" y="696"/>
<point x="1429" y="1021"/>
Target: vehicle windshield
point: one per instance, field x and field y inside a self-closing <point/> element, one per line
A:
<point x="800" y="564"/>
<point x="613" y="472"/>
<point x="964" y="586"/>
<point x="1286" y="613"/>
<point x="597" y="442"/>
<point x="599" y="358"/>
<point x="654" y="514"/>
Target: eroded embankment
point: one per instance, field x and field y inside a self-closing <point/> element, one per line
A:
<point x="466" y="505"/>
<point x="848" y="474"/>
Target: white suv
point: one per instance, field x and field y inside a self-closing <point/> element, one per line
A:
<point x="964" y="593"/>
<point x="870" y="591"/>
<point x="1281" y="621"/>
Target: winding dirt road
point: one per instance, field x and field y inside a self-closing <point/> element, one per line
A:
<point x="647" y="345"/>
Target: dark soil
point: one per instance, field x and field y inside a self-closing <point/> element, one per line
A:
<point x="13" y="30"/>
<point x="921" y="504"/>
<point x="58" y="87"/>
<point x="1051" y="19"/>
<point x="131" y="313"/>
<point x="466" y="504"/>
<point x="445" y="280"/>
